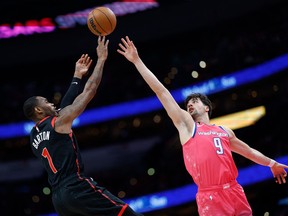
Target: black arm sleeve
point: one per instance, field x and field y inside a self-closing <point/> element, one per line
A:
<point x="71" y="93"/>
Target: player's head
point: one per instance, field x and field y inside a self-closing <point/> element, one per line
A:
<point x="205" y="100"/>
<point x="36" y="107"/>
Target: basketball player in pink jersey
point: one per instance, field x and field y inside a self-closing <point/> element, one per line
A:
<point x="207" y="148"/>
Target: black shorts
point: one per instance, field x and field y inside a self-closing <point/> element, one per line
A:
<point x="86" y="197"/>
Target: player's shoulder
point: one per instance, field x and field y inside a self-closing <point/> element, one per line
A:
<point x="227" y="130"/>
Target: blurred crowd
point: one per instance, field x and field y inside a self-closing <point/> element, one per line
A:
<point x="225" y="48"/>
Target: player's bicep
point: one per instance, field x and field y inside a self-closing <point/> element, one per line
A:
<point x="171" y="106"/>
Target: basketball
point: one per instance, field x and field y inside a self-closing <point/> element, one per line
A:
<point x="101" y="21"/>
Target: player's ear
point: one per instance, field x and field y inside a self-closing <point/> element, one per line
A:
<point x="37" y="109"/>
<point x="207" y="108"/>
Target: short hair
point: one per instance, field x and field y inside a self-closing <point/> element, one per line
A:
<point x="28" y="107"/>
<point x="205" y="100"/>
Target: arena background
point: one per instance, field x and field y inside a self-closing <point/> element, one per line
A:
<point x="174" y="36"/>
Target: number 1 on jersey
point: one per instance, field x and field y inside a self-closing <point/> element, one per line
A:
<point x="46" y="154"/>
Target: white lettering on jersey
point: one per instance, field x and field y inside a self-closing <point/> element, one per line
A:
<point x="45" y="135"/>
<point x="207" y="133"/>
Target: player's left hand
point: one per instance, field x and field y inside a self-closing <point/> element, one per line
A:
<point x="279" y="172"/>
<point x="82" y="65"/>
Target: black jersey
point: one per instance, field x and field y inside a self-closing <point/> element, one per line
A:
<point x="73" y="193"/>
<point x="59" y="153"/>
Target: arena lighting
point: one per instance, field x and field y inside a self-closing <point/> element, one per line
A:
<point x="131" y="108"/>
<point x="71" y="20"/>
<point x="241" y="119"/>
<point x="186" y="194"/>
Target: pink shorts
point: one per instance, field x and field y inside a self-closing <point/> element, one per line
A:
<point x="223" y="200"/>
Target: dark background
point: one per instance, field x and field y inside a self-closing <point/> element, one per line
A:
<point x="228" y="35"/>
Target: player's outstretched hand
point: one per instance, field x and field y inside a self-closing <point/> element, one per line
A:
<point x="128" y="50"/>
<point x="102" y="48"/>
<point x="82" y="65"/>
<point x="279" y="172"/>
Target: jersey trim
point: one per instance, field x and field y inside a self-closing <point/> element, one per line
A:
<point x="194" y="129"/>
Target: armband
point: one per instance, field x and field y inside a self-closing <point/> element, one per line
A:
<point x="272" y="162"/>
<point x="76" y="80"/>
<point x="71" y="93"/>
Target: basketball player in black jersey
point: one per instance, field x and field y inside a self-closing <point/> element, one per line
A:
<point x="53" y="142"/>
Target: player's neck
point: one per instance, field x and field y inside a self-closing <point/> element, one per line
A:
<point x="203" y="119"/>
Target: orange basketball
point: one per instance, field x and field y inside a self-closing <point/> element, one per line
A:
<point x="101" y="21"/>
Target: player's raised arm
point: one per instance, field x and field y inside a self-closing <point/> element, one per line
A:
<point x="181" y="118"/>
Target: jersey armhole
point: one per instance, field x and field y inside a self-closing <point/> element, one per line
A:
<point x="53" y="121"/>
<point x="194" y="129"/>
<point x="223" y="129"/>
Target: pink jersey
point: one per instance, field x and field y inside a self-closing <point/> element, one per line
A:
<point x="208" y="157"/>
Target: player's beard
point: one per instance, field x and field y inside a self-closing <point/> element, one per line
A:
<point x="195" y="114"/>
